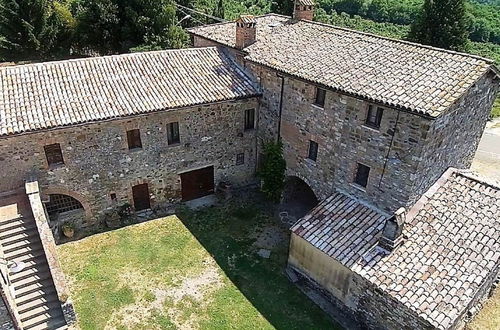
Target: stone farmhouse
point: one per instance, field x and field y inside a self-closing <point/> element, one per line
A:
<point x="380" y="131"/>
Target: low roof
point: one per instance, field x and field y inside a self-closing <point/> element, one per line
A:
<point x="397" y="73"/>
<point x="452" y="244"/>
<point x="53" y="94"/>
<point x="342" y="227"/>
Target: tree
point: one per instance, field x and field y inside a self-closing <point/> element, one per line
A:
<point x="115" y="26"/>
<point x="283" y="7"/>
<point x="442" y="23"/>
<point x="219" y="9"/>
<point x="272" y="170"/>
<point x="28" y="29"/>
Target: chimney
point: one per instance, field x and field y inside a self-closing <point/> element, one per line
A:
<point x="392" y="235"/>
<point x="303" y="9"/>
<point x="245" y="31"/>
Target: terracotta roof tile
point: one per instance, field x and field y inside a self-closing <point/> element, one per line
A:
<point x="418" y="78"/>
<point x="52" y="94"/>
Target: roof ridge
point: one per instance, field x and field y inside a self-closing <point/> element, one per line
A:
<point x="474" y="176"/>
<point x="93" y="58"/>
<point x="477" y="57"/>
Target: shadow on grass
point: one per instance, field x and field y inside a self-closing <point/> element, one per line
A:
<point x="229" y="234"/>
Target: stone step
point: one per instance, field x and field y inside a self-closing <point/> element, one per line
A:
<point x="17" y="230"/>
<point x="29" y="285"/>
<point x="14" y="223"/>
<point x="39" y="293"/>
<point x="33" y="261"/>
<point x="19" y="245"/>
<point x="38" y="263"/>
<point x="41" y="313"/>
<point x="36" y="272"/>
<point x="29" y="235"/>
<point x="27" y="250"/>
<point x="37" y="303"/>
<point x="29" y="257"/>
<point x="54" y="323"/>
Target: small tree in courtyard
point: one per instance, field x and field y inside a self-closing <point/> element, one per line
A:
<point x="442" y="23"/>
<point x="272" y="170"/>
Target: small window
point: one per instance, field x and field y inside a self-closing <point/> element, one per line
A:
<point x="134" y="139"/>
<point x="320" y="97"/>
<point x="173" y="133"/>
<point x="249" y="119"/>
<point x="374" y="116"/>
<point x="362" y="174"/>
<point x="113" y="197"/>
<point x="240" y="159"/>
<point x="313" y="150"/>
<point x="54" y="154"/>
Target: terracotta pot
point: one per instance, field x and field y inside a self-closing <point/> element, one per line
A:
<point x="68" y="232"/>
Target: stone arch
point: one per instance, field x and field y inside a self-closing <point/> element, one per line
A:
<point x="65" y="191"/>
<point x="298" y="197"/>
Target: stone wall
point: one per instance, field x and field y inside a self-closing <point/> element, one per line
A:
<point x="5" y="318"/>
<point x="349" y="292"/>
<point x="453" y="138"/>
<point x="98" y="161"/>
<point x="392" y="152"/>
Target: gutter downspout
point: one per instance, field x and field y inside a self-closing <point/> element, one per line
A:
<point x="389" y="151"/>
<point x="281" y="104"/>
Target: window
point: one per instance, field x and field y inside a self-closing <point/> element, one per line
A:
<point x="240" y="159"/>
<point x="62" y="203"/>
<point x="320" y="97"/>
<point x="313" y="150"/>
<point x="113" y="197"/>
<point x="173" y="133"/>
<point x="134" y="139"/>
<point x="249" y="119"/>
<point x="362" y="174"/>
<point x="54" y="154"/>
<point x="374" y="116"/>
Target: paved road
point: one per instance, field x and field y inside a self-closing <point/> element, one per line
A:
<point x="487" y="160"/>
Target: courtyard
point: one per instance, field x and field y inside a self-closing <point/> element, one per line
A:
<point x="205" y="269"/>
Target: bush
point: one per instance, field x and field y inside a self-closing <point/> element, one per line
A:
<point x="272" y="170"/>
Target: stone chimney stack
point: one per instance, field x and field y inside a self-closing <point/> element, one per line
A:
<point x="303" y="9"/>
<point x="245" y="31"/>
<point x="392" y="235"/>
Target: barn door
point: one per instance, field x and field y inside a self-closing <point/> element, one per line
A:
<point x="141" y="197"/>
<point x="197" y="183"/>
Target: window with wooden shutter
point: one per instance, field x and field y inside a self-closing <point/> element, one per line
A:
<point x="374" y="116"/>
<point x="134" y="139"/>
<point x="173" y="136"/>
<point x="249" y="119"/>
<point x="240" y="159"/>
<point x="313" y="150"/>
<point x="320" y="97"/>
<point x="53" y="154"/>
<point x="362" y="174"/>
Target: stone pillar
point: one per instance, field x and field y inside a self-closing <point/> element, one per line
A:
<point x="245" y="31"/>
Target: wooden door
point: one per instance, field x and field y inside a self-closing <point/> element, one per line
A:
<point x="197" y="183"/>
<point x="140" y="194"/>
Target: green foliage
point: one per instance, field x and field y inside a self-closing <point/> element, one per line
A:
<point x="283" y="7"/>
<point x="219" y="9"/>
<point x="272" y="170"/>
<point x="442" y="23"/>
<point x="31" y="29"/>
<point x="113" y="26"/>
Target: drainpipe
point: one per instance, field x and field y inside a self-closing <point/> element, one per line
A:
<point x="389" y="151"/>
<point x="281" y="104"/>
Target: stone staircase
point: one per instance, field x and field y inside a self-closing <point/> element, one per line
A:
<point x="35" y="295"/>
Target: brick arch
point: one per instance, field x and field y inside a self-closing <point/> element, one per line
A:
<point x="290" y="175"/>
<point x="298" y="196"/>
<point x="65" y="191"/>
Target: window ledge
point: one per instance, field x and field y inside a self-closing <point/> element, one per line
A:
<point x="56" y="166"/>
<point x="358" y="187"/>
<point x="134" y="150"/>
<point x="173" y="145"/>
<point x="372" y="128"/>
<point x="310" y="161"/>
<point x="321" y="107"/>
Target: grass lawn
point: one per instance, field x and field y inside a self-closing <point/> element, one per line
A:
<point x="197" y="270"/>
<point x="489" y="317"/>
<point x="495" y="112"/>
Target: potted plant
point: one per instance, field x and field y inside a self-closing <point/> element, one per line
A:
<point x="68" y="229"/>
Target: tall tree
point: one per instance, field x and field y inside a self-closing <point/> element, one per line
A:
<point x="28" y="29"/>
<point x="283" y="7"/>
<point x="442" y="23"/>
<point x="219" y="9"/>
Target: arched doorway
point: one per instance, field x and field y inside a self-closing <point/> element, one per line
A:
<point x="298" y="199"/>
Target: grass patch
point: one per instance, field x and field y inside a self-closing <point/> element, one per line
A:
<point x="194" y="270"/>
<point x="495" y="111"/>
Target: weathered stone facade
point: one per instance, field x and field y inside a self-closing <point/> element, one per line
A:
<point x="98" y="161"/>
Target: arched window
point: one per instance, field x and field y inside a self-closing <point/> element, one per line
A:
<point x="59" y="203"/>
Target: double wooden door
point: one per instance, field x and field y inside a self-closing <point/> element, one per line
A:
<point x="197" y="183"/>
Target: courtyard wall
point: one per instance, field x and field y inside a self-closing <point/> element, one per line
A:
<point x="97" y="161"/>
